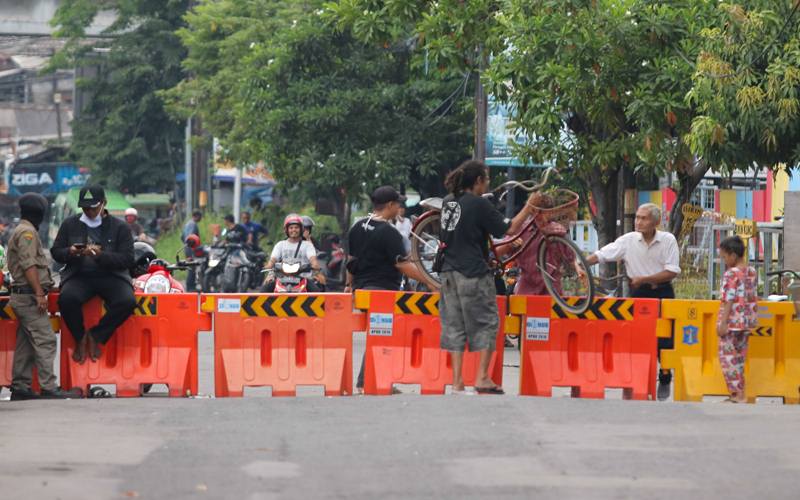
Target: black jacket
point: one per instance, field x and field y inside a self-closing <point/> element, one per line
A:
<point x="117" y="244"/>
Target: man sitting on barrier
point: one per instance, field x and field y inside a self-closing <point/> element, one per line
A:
<point x="378" y="257"/>
<point x="98" y="252"/>
<point x="652" y="261"/>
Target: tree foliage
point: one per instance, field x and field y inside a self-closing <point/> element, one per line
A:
<point x="275" y="81"/>
<point x="124" y="134"/>
<point x="746" y="87"/>
<point x="594" y="85"/>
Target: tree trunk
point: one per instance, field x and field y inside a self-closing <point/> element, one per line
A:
<point x="688" y="181"/>
<point x="604" y="194"/>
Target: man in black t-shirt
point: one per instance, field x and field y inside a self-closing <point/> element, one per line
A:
<point x="467" y="306"/>
<point x="378" y="258"/>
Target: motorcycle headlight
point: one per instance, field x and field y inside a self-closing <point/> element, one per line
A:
<point x="157" y="284"/>
<point x="213" y="262"/>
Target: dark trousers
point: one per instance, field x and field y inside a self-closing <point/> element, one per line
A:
<point x="115" y="292"/>
<point x="191" y="274"/>
<point x="663" y="291"/>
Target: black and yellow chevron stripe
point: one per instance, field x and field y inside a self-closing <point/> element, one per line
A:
<point x="416" y="303"/>
<point x="283" y="306"/>
<point x="762" y="331"/>
<point x="601" y="309"/>
<point x="6" y="312"/>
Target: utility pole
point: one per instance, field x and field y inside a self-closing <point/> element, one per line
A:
<point x="480" y="112"/>
<point x="187" y="157"/>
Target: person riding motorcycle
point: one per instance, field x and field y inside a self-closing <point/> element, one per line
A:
<point x="308" y="227"/>
<point x="235" y="233"/>
<point x="295" y="249"/>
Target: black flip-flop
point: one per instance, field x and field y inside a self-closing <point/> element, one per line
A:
<point x="490" y="390"/>
<point x="99" y="392"/>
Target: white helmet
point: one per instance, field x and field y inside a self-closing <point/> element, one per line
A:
<point x="132" y="211"/>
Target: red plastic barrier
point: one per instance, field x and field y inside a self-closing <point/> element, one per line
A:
<point x="613" y="345"/>
<point x="282" y="341"/>
<point x="157" y="345"/>
<point x="403" y="331"/>
<point x="8" y="339"/>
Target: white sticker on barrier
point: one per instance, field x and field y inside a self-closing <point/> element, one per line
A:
<point x="537" y="329"/>
<point x="381" y="324"/>
<point x="229" y="305"/>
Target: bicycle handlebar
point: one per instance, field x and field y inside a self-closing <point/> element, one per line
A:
<point x="784" y="271"/>
<point x="526" y="185"/>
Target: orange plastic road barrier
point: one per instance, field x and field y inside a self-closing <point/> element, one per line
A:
<point x="612" y="345"/>
<point x="403" y="331"/>
<point x="156" y="345"/>
<point x="8" y="339"/>
<point x="282" y="341"/>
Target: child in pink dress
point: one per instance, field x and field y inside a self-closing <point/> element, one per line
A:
<point x="738" y="315"/>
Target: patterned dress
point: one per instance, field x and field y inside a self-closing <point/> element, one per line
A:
<point x="738" y="289"/>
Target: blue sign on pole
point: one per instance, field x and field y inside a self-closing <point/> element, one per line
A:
<point x="501" y="137"/>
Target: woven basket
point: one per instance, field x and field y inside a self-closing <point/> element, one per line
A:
<point x="565" y="212"/>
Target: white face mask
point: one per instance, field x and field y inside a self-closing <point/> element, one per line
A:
<point x="93" y="223"/>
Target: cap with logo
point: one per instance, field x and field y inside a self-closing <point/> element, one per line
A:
<point x="386" y="194"/>
<point x="91" y="196"/>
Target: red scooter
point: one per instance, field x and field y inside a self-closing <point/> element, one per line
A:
<point x="159" y="279"/>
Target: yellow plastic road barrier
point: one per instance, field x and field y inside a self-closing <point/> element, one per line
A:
<point x="772" y="368"/>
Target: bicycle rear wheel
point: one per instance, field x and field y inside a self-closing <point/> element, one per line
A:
<point x="566" y="274"/>
<point x="424" y="243"/>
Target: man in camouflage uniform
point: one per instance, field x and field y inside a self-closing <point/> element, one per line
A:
<point x="31" y="280"/>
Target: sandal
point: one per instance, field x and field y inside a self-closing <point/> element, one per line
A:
<point x="490" y="390"/>
<point x="99" y="392"/>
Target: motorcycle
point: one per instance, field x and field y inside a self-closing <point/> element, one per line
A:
<point x="159" y="278"/>
<point x="211" y="267"/>
<point x="240" y="271"/>
<point x="288" y="277"/>
<point x="332" y="264"/>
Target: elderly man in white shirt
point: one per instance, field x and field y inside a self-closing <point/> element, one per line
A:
<point x="652" y="261"/>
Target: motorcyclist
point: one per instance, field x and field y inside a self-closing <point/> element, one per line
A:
<point x="137" y="231"/>
<point x="295" y="249"/>
<point x="254" y="230"/>
<point x="308" y="227"/>
<point x="236" y="233"/>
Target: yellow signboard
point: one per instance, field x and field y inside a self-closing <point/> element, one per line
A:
<point x="690" y="215"/>
<point x="745" y="228"/>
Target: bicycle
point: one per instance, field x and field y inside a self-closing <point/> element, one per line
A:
<point x="563" y="267"/>
<point x="789" y="286"/>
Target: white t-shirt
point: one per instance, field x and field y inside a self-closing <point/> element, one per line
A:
<point x="404" y="226"/>
<point x="640" y="258"/>
<point x="284" y="252"/>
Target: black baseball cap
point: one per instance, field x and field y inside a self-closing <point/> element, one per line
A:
<point x="386" y="194"/>
<point x="91" y="196"/>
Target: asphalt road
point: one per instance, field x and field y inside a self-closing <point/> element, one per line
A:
<point x="403" y="446"/>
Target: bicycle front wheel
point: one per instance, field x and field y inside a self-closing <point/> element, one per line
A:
<point x="566" y="274"/>
<point x="424" y="243"/>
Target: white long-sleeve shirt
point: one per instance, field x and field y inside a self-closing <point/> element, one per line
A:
<point x="642" y="259"/>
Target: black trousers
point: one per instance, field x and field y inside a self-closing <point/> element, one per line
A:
<point x="663" y="291"/>
<point x="115" y="292"/>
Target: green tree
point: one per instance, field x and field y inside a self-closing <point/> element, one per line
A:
<point x="596" y="86"/>
<point x="124" y="134"/>
<point x="746" y="87"/>
<point x="275" y="81"/>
